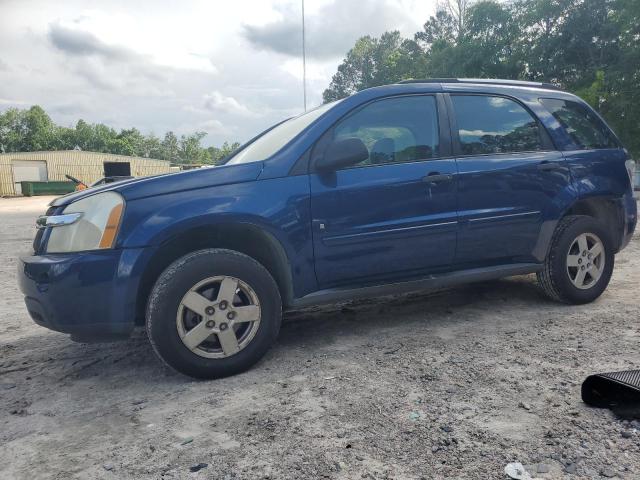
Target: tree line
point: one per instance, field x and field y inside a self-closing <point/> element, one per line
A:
<point x="30" y="130"/>
<point x="588" y="47"/>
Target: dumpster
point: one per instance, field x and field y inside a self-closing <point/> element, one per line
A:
<point x="29" y="189"/>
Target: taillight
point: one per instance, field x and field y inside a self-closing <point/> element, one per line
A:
<point x="631" y="170"/>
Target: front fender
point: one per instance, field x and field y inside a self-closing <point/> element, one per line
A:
<point x="280" y="207"/>
<point x="272" y="204"/>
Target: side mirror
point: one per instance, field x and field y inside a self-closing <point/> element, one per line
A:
<point x="342" y="153"/>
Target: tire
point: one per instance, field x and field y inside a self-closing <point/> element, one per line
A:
<point x="202" y="280"/>
<point x="559" y="277"/>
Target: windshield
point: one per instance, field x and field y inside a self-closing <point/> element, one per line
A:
<point x="278" y="137"/>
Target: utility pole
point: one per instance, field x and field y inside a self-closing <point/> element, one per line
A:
<point x="304" y="62"/>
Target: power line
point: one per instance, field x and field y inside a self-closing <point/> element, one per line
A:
<point x="304" y="62"/>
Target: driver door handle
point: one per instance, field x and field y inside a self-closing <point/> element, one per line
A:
<point x="551" y="166"/>
<point x="436" y="177"/>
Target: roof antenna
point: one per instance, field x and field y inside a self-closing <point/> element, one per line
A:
<point x="304" y="62"/>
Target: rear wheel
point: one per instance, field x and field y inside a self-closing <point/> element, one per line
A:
<point x="580" y="261"/>
<point x="213" y="313"/>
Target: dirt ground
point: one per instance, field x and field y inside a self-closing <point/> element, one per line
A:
<point x="451" y="384"/>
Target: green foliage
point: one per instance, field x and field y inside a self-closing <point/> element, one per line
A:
<point x="374" y="61"/>
<point x="589" y="47"/>
<point x="217" y="154"/>
<point x="21" y="130"/>
<point x="32" y="130"/>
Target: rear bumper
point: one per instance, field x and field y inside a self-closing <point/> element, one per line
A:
<point x="630" y="212"/>
<point x="90" y="295"/>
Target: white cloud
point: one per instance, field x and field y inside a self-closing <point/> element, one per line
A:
<point x="13" y="103"/>
<point x="353" y="19"/>
<point x="215" y="127"/>
<point x="479" y="133"/>
<point x="218" y="102"/>
<point x="157" y="67"/>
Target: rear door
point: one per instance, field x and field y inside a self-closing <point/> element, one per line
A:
<point x="512" y="182"/>
<point x="594" y="154"/>
<point x="394" y="214"/>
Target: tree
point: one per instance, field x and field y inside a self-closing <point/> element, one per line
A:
<point x="133" y="140"/>
<point x="540" y="41"/>
<point x="120" y="146"/>
<point x="82" y="136"/>
<point x="151" y="146"/>
<point x="39" y="130"/>
<point x="457" y="10"/>
<point x="439" y="29"/>
<point x="11" y="130"/>
<point x="487" y="45"/>
<point x="32" y="129"/>
<point x="190" y="151"/>
<point x="27" y="130"/>
<point x="170" y="147"/>
<point x="621" y="106"/>
<point x="372" y="62"/>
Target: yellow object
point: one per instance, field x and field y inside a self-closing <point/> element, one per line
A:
<point x="111" y="229"/>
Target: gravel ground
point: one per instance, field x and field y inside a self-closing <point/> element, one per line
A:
<point x="451" y="384"/>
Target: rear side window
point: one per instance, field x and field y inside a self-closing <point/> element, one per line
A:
<point x="394" y="130"/>
<point x="584" y="127"/>
<point x="488" y="124"/>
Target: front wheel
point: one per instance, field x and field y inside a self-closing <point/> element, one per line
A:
<point x="580" y="261"/>
<point x="213" y="313"/>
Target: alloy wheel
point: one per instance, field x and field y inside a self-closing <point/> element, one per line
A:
<point x="585" y="261"/>
<point x="218" y="317"/>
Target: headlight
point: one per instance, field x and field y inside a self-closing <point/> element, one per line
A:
<point x="88" y="224"/>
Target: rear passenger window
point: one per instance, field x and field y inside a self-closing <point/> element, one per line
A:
<point x="583" y="126"/>
<point x="488" y="124"/>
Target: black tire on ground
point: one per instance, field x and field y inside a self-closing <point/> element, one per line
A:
<point x="178" y="279"/>
<point x="554" y="278"/>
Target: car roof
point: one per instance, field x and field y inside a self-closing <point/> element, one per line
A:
<point x="515" y="88"/>
<point x="493" y="82"/>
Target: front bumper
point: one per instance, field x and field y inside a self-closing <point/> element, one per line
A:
<point x="90" y="295"/>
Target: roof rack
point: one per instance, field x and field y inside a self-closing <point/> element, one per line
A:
<point x="487" y="81"/>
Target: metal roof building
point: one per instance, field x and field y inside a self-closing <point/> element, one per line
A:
<point x="85" y="166"/>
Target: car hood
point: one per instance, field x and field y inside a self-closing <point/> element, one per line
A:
<point x="171" y="182"/>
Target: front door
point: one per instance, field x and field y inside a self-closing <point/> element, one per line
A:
<point x="512" y="183"/>
<point x="394" y="214"/>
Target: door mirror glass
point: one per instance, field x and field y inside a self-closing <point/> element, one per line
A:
<point x="342" y="154"/>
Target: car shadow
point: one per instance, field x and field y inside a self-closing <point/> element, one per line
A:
<point x="57" y="358"/>
<point x="404" y="311"/>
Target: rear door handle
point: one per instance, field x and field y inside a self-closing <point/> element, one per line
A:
<point x="437" y="177"/>
<point x="551" y="166"/>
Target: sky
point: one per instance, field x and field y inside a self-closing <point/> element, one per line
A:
<point x="228" y="68"/>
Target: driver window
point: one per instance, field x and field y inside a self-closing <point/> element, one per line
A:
<point x="394" y="130"/>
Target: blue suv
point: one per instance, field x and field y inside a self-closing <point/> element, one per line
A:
<point x="395" y="189"/>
